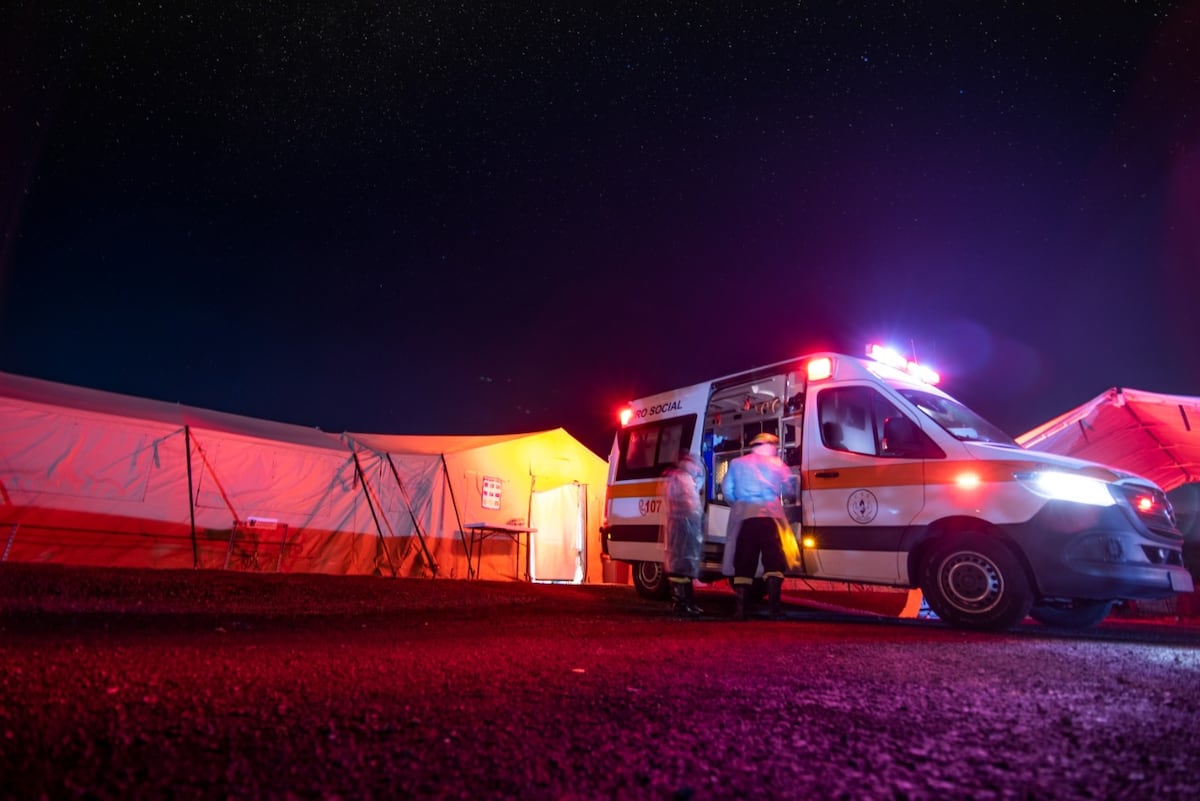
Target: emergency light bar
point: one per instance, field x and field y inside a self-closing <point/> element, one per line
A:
<point x="892" y="358"/>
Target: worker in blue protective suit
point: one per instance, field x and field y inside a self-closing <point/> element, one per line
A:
<point x="684" y="531"/>
<point x="754" y="485"/>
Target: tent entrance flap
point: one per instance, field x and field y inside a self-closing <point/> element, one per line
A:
<point x="557" y="547"/>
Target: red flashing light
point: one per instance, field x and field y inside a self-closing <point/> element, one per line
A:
<point x="967" y="480"/>
<point x="1144" y="503"/>
<point x="820" y="368"/>
<point x="626" y="415"/>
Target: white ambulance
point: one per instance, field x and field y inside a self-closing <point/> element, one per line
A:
<point x="901" y="485"/>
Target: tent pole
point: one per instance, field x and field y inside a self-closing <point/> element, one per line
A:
<point x="223" y="493"/>
<point x="416" y="523"/>
<point x="224" y="497"/>
<point x="529" y="522"/>
<point x="187" y="444"/>
<point x="382" y="542"/>
<point x="458" y="518"/>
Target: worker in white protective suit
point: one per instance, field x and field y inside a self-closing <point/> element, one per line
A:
<point x="683" y="497"/>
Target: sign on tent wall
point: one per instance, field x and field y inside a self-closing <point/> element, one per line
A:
<point x="557" y="547"/>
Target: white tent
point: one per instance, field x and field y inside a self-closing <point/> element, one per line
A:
<point x="1146" y="433"/>
<point x="1153" y="435"/>
<point x="95" y="478"/>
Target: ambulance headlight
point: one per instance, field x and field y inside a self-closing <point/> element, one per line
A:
<point x="1067" y="487"/>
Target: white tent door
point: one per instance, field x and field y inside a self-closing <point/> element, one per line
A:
<point x="556" y="548"/>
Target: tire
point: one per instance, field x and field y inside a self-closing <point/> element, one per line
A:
<point x="1076" y="614"/>
<point x="650" y="580"/>
<point x="974" y="582"/>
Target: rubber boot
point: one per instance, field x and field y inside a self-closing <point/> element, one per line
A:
<point x="774" y="589"/>
<point x="689" y="600"/>
<point x="682" y="606"/>
<point x="739" y="610"/>
<point x="677" y="599"/>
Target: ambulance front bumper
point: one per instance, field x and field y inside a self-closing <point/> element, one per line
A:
<point x="1102" y="553"/>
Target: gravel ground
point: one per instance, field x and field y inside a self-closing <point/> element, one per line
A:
<point x="166" y="684"/>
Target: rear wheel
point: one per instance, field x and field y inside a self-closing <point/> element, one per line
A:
<point x="650" y="580"/>
<point x="974" y="582"/>
<point x="1077" y="613"/>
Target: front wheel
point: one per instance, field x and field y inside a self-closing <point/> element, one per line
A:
<point x="974" y="582"/>
<point x="1077" y="613"/>
<point x="650" y="580"/>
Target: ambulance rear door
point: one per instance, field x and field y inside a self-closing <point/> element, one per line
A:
<point x="864" y="480"/>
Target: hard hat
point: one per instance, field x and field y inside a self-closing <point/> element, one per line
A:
<point x="764" y="438"/>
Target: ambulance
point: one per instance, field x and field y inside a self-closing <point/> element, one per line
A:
<point x="900" y="485"/>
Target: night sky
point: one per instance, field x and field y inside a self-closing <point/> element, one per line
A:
<point x="483" y="218"/>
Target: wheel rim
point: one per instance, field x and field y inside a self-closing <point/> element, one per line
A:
<point x="649" y="573"/>
<point x="971" y="582"/>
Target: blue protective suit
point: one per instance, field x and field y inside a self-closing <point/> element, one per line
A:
<point x="752" y="485"/>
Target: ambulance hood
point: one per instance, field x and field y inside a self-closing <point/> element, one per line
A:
<point x="993" y="452"/>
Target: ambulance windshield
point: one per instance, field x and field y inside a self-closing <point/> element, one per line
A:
<point x="961" y="422"/>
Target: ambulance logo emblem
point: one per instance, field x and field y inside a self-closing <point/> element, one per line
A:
<point x="862" y="506"/>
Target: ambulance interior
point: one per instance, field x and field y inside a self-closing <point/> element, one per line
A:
<point x="774" y="404"/>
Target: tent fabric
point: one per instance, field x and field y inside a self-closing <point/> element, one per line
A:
<point x="17" y="389"/>
<point x="90" y="477"/>
<point x="1146" y="433"/>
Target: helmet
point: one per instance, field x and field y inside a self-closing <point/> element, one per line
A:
<point x="764" y="438"/>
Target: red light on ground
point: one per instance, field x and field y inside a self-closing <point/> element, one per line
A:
<point x="819" y="369"/>
<point x="626" y="415"/>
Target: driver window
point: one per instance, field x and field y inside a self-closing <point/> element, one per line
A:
<point x="846" y="419"/>
<point x="861" y="420"/>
